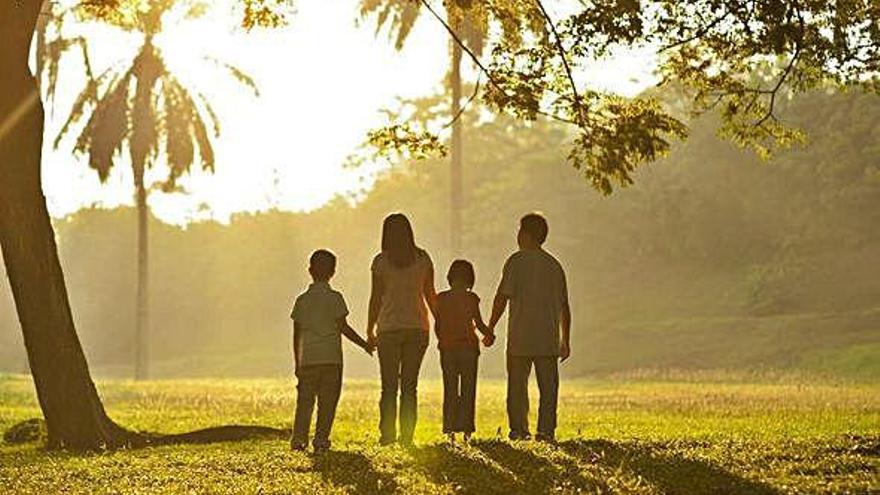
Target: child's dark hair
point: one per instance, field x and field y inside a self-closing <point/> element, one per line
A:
<point x="461" y="271"/>
<point x="322" y="264"/>
<point x="536" y="226"/>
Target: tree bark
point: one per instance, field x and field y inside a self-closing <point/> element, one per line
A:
<point x="142" y="325"/>
<point x="456" y="200"/>
<point x="75" y="417"/>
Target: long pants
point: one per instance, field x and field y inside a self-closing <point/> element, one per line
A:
<point x="459" y="389"/>
<point x="321" y="382"/>
<point x="518" y="370"/>
<point x="400" y="359"/>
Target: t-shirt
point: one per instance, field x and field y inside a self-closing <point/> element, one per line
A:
<point x="535" y="283"/>
<point x="317" y="312"/>
<point x="455" y="328"/>
<point x="403" y="301"/>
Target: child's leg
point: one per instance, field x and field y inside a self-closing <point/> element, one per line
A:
<point x="329" y="389"/>
<point x="305" y="403"/>
<point x="450" y="390"/>
<point x="468" y="398"/>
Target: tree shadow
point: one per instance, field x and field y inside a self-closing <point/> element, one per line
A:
<point x="353" y="469"/>
<point x="670" y="473"/>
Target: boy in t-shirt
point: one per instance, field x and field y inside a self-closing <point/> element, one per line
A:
<point x="319" y="320"/>
<point x="458" y="315"/>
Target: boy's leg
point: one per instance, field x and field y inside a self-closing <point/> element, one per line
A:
<point x="468" y="397"/>
<point x="305" y="403"/>
<point x="414" y="346"/>
<point x="547" y="371"/>
<point x="518" y="370"/>
<point x="450" y="390"/>
<point x="389" y="369"/>
<point x="329" y="390"/>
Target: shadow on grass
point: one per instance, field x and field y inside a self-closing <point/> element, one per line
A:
<point x="669" y="472"/>
<point x="465" y="469"/>
<point x="353" y="469"/>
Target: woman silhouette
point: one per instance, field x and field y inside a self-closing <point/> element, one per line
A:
<point x="401" y="296"/>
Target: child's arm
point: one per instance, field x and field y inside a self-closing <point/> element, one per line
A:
<point x="353" y="336"/>
<point x="488" y="334"/>
<point x="297" y="333"/>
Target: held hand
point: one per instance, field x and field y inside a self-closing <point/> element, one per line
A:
<point x="564" y="351"/>
<point x="369" y="348"/>
<point x="489" y="339"/>
<point x="372" y="340"/>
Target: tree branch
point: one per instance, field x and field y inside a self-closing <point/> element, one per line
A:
<point x="564" y="56"/>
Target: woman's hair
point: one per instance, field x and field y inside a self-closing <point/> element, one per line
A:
<point x="462" y="271"/>
<point x="398" y="242"/>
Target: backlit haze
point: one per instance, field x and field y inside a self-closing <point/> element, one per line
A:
<point x="322" y="82"/>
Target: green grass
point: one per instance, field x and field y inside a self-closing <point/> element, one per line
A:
<point x="701" y="434"/>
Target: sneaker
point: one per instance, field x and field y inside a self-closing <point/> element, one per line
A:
<point x="386" y="441"/>
<point x="406" y="442"/>
<point x="321" y="447"/>
<point x="467" y="438"/>
<point x="519" y="435"/>
<point x="298" y="446"/>
<point x="450" y="438"/>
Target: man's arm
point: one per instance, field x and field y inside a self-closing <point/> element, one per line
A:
<point x="353" y="336"/>
<point x="498" y="308"/>
<point x="297" y="334"/>
<point x="565" y="348"/>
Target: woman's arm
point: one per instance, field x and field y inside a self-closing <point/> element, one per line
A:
<point x="430" y="292"/>
<point x="376" y="292"/>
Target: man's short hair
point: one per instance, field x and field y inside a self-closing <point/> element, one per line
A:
<point x="322" y="264"/>
<point x="536" y="226"/>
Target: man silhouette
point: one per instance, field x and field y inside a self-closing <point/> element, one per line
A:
<point x="534" y="284"/>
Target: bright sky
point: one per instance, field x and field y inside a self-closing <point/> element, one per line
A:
<point x="322" y="80"/>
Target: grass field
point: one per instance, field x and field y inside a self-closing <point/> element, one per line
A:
<point x="711" y="433"/>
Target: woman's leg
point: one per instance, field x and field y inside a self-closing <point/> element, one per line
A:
<point x="389" y="370"/>
<point x="415" y="342"/>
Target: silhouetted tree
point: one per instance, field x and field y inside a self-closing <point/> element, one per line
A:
<point x="142" y="106"/>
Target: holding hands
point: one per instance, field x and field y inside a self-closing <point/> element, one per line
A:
<point x="488" y="339"/>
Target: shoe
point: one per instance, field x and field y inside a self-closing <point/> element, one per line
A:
<point x="450" y="438"/>
<point x="384" y="441"/>
<point x="466" y="439"/>
<point x="321" y="447"/>
<point x="405" y="442"/>
<point x="519" y="435"/>
<point x="298" y="446"/>
<point x="549" y="438"/>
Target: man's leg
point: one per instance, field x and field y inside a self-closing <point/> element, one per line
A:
<point x="518" y="370"/>
<point x="389" y="370"/>
<point x="329" y="390"/>
<point x="468" y="397"/>
<point x="415" y="344"/>
<point x="305" y="403"/>
<point x="547" y="371"/>
<point x="450" y="390"/>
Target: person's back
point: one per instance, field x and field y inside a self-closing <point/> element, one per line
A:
<point x="535" y="283"/>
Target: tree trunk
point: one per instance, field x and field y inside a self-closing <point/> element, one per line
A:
<point x="142" y="325"/>
<point x="75" y="417"/>
<point x="456" y="200"/>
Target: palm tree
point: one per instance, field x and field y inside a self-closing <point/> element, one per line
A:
<point x="470" y="21"/>
<point x="142" y="107"/>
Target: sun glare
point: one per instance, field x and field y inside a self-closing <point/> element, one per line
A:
<point x="322" y="81"/>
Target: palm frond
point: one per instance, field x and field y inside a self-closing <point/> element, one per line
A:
<point x="243" y="78"/>
<point x="148" y="68"/>
<point x="108" y="127"/>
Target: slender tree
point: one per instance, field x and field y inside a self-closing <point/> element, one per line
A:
<point x="470" y="22"/>
<point x="141" y="106"/>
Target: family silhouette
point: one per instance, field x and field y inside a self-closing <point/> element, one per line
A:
<point x="403" y="300"/>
